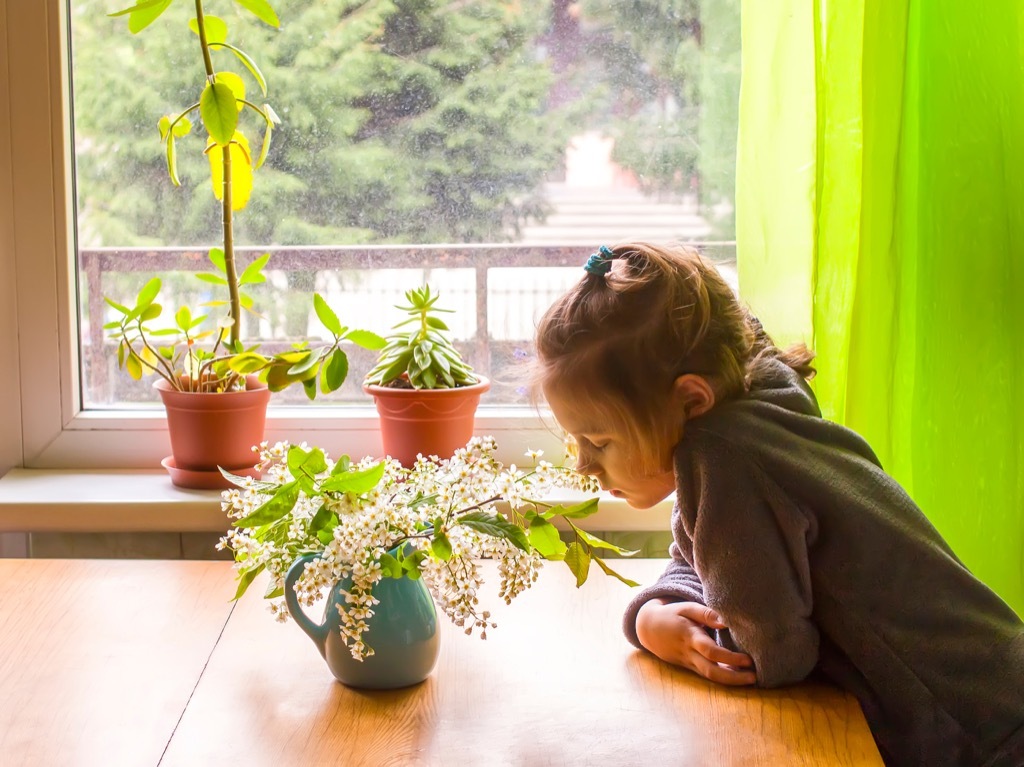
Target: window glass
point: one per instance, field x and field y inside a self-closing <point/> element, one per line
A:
<point x="484" y="148"/>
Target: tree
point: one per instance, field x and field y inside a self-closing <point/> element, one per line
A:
<point x="410" y="121"/>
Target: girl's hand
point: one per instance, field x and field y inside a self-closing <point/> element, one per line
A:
<point x="675" y="632"/>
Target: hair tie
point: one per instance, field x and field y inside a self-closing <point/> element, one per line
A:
<point x="600" y="263"/>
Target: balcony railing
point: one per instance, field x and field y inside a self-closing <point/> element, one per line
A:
<point x="493" y="323"/>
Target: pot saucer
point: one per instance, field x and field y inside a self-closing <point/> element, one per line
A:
<point x="203" y="480"/>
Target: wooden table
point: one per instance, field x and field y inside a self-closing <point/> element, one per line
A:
<point x="147" y="662"/>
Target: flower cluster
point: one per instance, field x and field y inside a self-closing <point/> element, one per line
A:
<point x="376" y="519"/>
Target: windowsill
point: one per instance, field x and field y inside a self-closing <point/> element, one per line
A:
<point x="144" y="500"/>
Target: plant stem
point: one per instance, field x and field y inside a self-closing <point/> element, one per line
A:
<point x="229" y="242"/>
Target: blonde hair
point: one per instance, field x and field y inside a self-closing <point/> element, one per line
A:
<point x="621" y="339"/>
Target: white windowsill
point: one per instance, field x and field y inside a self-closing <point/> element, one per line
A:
<point x="144" y="500"/>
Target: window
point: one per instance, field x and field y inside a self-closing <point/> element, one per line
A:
<point x="485" y="148"/>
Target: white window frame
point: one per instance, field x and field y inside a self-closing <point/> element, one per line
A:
<point x="42" y="423"/>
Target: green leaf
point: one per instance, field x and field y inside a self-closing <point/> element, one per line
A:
<point x="216" y="29"/>
<point x="496" y="526"/>
<point x="247" y="363"/>
<point x="282" y="502"/>
<point x="306" y="364"/>
<point x="245" y="578"/>
<point x="183" y="318"/>
<point x="441" y="546"/>
<point x="134" y="366"/>
<point x="578" y="511"/>
<point x="437" y="323"/>
<point x="326" y="314"/>
<point x="309" y="464"/>
<point x="145" y="13"/>
<point x="325" y="536"/>
<point x="335" y="372"/>
<point x="609" y="571"/>
<point x="145" y="297"/>
<point x="366" y="339"/>
<point x="273" y="591"/>
<point x="143" y="5"/>
<point x="341" y="465"/>
<point x="210" y="277"/>
<point x="268" y="132"/>
<point x="578" y="560"/>
<point x="390" y="567"/>
<point x="246" y="59"/>
<point x="358" y="482"/>
<point x="216" y="256"/>
<point x="253" y="273"/>
<point x="219" y="110"/>
<point x="119" y="307"/>
<point x="151" y="312"/>
<point x="322" y="519"/>
<point x="598" y="543"/>
<point x="545" y="538"/>
<point x="262" y="10"/>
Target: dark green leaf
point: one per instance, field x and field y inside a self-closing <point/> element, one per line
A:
<point x="579" y="511"/>
<point x="335" y="372"/>
<point x="282" y="502"/>
<point x="322" y="520"/>
<point x="497" y="526"/>
<point x="441" y="546"/>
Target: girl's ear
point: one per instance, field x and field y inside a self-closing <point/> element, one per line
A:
<point x="693" y="395"/>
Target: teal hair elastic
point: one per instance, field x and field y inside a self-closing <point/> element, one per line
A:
<point x="600" y="263"/>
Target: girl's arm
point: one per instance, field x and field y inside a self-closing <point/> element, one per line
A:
<point x="750" y="544"/>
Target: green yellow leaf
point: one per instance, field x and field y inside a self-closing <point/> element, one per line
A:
<point x="366" y="339"/>
<point x="241" y="170"/>
<point x="441" y="546"/>
<point x="253" y="273"/>
<point x="245" y="578"/>
<point x="578" y="560"/>
<point x="219" y="112"/>
<point x="262" y="10"/>
<point x="246" y="59"/>
<point x="358" y="481"/>
<point x="545" y="539"/>
<point x="326" y="314"/>
<point x="216" y="256"/>
<point x="236" y="84"/>
<point x="216" y="29"/>
<point x="609" y="571"/>
<point x="145" y="13"/>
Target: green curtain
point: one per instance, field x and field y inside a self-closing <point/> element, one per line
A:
<point x="880" y="218"/>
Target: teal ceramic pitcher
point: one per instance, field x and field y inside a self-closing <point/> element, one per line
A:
<point x="402" y="632"/>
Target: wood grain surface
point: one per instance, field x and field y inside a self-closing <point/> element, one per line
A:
<point x="98" y="659"/>
<point x="555" y="684"/>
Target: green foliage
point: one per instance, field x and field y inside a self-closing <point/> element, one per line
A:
<point x="407" y="121"/>
<point x="222" y="365"/>
<point x="422" y="357"/>
<point x="277" y="515"/>
<point x="674" y="114"/>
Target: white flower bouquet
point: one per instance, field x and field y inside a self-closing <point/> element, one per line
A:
<point x="375" y="519"/>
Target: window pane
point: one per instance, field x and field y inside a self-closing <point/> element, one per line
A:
<point x="485" y="148"/>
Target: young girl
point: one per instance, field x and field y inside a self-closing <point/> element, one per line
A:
<point x="794" y="552"/>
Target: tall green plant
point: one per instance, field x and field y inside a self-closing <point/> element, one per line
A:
<point x="183" y="363"/>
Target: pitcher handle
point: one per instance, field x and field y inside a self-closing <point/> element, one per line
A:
<point x="316" y="631"/>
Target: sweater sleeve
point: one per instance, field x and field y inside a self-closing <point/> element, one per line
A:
<point x="750" y="547"/>
<point x="678" y="583"/>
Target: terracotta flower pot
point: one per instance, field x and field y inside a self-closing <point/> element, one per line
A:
<point x="427" y="421"/>
<point x="210" y="430"/>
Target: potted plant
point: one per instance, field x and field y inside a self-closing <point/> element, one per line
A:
<point x="385" y="539"/>
<point x="425" y="392"/>
<point x="216" y="395"/>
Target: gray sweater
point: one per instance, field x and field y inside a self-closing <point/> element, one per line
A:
<point x="820" y="562"/>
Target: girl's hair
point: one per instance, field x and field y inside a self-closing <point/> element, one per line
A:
<point x="620" y="340"/>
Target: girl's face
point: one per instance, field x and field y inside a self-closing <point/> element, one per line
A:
<point x="607" y="453"/>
